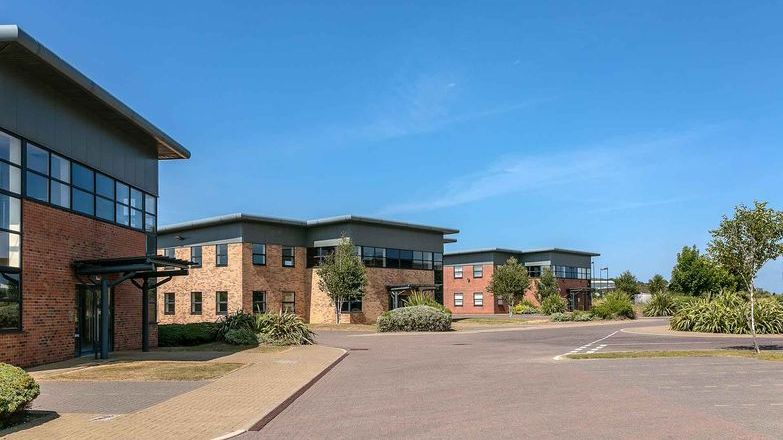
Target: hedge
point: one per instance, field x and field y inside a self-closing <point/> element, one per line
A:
<point x="178" y="335"/>
<point x="17" y="390"/>
<point x="414" y="319"/>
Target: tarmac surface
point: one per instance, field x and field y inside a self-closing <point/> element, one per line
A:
<point x="507" y="384"/>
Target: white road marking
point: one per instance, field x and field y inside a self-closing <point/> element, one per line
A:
<point x="560" y="356"/>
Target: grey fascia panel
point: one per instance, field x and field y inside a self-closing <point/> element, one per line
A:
<point x="13" y="34"/>
<point x="517" y="251"/>
<point x="222" y="219"/>
<point x="538" y="263"/>
<point x="375" y="221"/>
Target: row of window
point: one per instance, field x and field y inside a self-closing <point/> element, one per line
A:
<point x="383" y="257"/>
<point x="478" y="299"/>
<point x="221" y="303"/>
<point x="221" y="255"/>
<point x="478" y="271"/>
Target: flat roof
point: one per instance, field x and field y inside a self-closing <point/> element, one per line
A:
<point x="517" y="251"/>
<point x="167" y="147"/>
<point x="240" y="217"/>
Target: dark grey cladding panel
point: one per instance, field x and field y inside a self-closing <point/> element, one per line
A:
<point x="379" y="236"/>
<point x="574" y="260"/>
<point x="274" y="233"/>
<point x="33" y="107"/>
<point x="223" y="232"/>
<point x="476" y="257"/>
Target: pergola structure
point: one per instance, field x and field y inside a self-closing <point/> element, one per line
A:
<point x="109" y="272"/>
<point x="396" y="290"/>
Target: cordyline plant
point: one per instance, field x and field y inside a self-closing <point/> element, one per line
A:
<point x="509" y="282"/>
<point x="745" y="243"/>
<point x="342" y="275"/>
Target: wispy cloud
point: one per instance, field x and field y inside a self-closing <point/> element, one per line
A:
<point x="604" y="207"/>
<point x="546" y="171"/>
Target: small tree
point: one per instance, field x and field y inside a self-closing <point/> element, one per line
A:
<point x="342" y="275"/>
<point x="627" y="283"/>
<point x="509" y="282"/>
<point x="745" y="243"/>
<point x="657" y="284"/>
<point x="547" y="285"/>
<point x="696" y="274"/>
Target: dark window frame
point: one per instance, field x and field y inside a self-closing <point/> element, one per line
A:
<point x="196" y="260"/>
<point x="193" y="303"/>
<point x="478" y="295"/>
<point x="461" y="299"/>
<point x="480" y="272"/>
<point x="350" y="306"/>
<point x="285" y="257"/>
<point x="169" y="303"/>
<point x="461" y="272"/>
<point x="292" y="302"/>
<point x="255" y="254"/>
<point x="218" y="255"/>
<point x="218" y="302"/>
<point x="262" y="301"/>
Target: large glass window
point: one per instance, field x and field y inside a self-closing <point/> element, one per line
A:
<point x="10" y="148"/>
<point x="221" y="255"/>
<point x="10" y="249"/>
<point x="10" y="213"/>
<point x="259" y="302"/>
<point x="37" y="186"/>
<point x="221" y="303"/>
<point x="289" y="302"/>
<point x="10" y="301"/>
<point x="60" y="194"/>
<point x="534" y="271"/>
<point x="37" y="159"/>
<point x="259" y="254"/>
<point x="104" y="197"/>
<point x="351" y="306"/>
<point x="437" y="261"/>
<point x="195" y="256"/>
<point x="289" y="256"/>
<point x="393" y="258"/>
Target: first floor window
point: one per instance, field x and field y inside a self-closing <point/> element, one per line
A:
<point x="259" y="302"/>
<point x="195" y="256"/>
<point x="478" y="271"/>
<point x="221" y="255"/>
<point x="351" y="306"/>
<point x="168" y="303"/>
<point x="457" y="271"/>
<point x="289" y="256"/>
<point x="196" y="303"/>
<point x="10" y="302"/>
<point x="457" y="300"/>
<point x="259" y="254"/>
<point x="221" y="303"/>
<point x="478" y="299"/>
<point x="289" y="302"/>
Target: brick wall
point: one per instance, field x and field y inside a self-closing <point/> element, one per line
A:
<point x="467" y="286"/>
<point x="51" y="240"/>
<point x="274" y="279"/>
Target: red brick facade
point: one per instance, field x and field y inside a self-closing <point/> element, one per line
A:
<point x="51" y="240"/>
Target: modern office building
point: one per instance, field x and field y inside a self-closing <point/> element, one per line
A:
<point x="78" y="206"/>
<point x="259" y="264"/>
<point x="467" y="274"/>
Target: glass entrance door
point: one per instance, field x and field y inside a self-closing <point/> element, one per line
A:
<point x="88" y="320"/>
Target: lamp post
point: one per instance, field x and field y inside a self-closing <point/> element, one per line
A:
<point x="606" y="282"/>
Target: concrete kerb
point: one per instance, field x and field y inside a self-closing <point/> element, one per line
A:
<point x="666" y="331"/>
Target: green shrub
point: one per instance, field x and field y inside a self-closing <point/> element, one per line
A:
<point x="661" y="304"/>
<point x="236" y="321"/>
<point x="614" y="305"/>
<point x="553" y="304"/>
<point x="178" y="335"/>
<point x="728" y="313"/>
<point x="414" y="319"/>
<point x="525" y="307"/>
<point x="582" y="316"/>
<point x="283" y="329"/>
<point x="418" y="298"/>
<point x="17" y="390"/>
<point x="241" y="336"/>
<point x="561" y="317"/>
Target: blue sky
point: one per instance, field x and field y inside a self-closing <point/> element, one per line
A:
<point x="626" y="128"/>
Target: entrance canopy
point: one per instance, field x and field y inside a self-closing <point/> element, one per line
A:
<point x="109" y="272"/>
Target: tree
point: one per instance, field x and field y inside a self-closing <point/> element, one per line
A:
<point x="627" y="283"/>
<point x="509" y="282"/>
<point x="342" y="275"/>
<point x="696" y="274"/>
<point x="657" y="284"/>
<point x="547" y="285"/>
<point x="745" y="243"/>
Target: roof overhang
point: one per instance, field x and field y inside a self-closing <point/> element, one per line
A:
<point x="36" y="60"/>
<point x="517" y="251"/>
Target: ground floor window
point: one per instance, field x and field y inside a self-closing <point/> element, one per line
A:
<point x="351" y="306"/>
<point x="221" y="303"/>
<point x="458" y="300"/>
<point x="259" y="302"/>
<point x="289" y="302"/>
<point x="196" y="303"/>
<point x="168" y="303"/>
<point x="10" y="302"/>
<point x="478" y="299"/>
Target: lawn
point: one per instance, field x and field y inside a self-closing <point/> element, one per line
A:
<point x="472" y="323"/>
<point x="150" y="371"/>
<point x="227" y="348"/>
<point x="764" y="355"/>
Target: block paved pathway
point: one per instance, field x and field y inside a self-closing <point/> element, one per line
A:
<point x="230" y="404"/>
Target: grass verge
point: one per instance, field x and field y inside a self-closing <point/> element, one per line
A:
<point x="222" y="347"/>
<point x="150" y="371"/>
<point x="764" y="355"/>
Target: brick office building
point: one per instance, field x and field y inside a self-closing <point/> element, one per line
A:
<point x="467" y="274"/>
<point x="259" y="264"/>
<point x="78" y="181"/>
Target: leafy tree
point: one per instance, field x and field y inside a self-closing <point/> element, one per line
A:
<point x="627" y="283"/>
<point x="547" y="285"/>
<point x="657" y="284"/>
<point x="695" y="274"/>
<point x="745" y="243"/>
<point x="342" y="275"/>
<point x="509" y="282"/>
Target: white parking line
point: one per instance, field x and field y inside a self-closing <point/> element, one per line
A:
<point x="592" y="350"/>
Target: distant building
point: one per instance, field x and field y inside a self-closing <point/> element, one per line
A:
<point x="466" y="276"/>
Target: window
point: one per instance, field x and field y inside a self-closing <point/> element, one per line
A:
<point x="123" y="203"/>
<point x="169" y="252"/>
<point x="289" y="302"/>
<point x="196" y="304"/>
<point x="221" y="303"/>
<point x="289" y="255"/>
<point x="392" y="258"/>
<point x="259" y="254"/>
<point x="457" y="271"/>
<point x="478" y="299"/>
<point x="437" y="261"/>
<point x="422" y="260"/>
<point x="534" y="271"/>
<point x="374" y="256"/>
<point x="351" y="306"/>
<point x="457" y="300"/>
<point x="150" y="213"/>
<point x="259" y="302"/>
<point x="478" y="271"/>
<point x="221" y="255"/>
<point x="10" y="149"/>
<point x="195" y="256"/>
<point x="104" y="200"/>
<point x="168" y="303"/>
<point x="10" y="300"/>
<point x="406" y="259"/>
